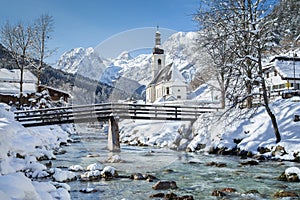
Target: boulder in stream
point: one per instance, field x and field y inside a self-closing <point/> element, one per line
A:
<point x="95" y="166"/>
<point x="165" y="185"/>
<point x="215" y="164"/>
<point x="115" y="159"/>
<point x="278" y="151"/>
<point x="75" y="168"/>
<point x="250" y="162"/>
<point x="63" y="176"/>
<point x="88" y="190"/>
<point x="172" y="196"/>
<point x="282" y="194"/>
<point x="291" y="174"/>
<point x="91" y="175"/>
<point x="137" y="176"/>
<point x="218" y="193"/>
<point x="109" y="172"/>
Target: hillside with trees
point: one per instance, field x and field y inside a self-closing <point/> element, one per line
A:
<point x="238" y="36"/>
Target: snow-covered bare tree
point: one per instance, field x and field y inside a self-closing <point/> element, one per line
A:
<point x="218" y="46"/>
<point x="237" y="35"/>
<point x="17" y="39"/>
<point x="43" y="27"/>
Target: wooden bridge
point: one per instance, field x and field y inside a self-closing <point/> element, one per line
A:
<point x="110" y="112"/>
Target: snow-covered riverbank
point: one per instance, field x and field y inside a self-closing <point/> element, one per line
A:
<point x="20" y="148"/>
<point x="234" y="131"/>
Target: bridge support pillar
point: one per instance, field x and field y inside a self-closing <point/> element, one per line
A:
<point x="113" y="135"/>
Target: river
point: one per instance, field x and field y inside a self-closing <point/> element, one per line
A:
<point x="190" y="171"/>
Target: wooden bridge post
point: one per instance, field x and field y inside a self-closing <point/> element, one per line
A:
<point x="113" y="143"/>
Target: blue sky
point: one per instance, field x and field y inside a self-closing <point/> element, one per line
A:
<point x="81" y="23"/>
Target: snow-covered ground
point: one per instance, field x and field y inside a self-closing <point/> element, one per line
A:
<point x="253" y="132"/>
<point x="212" y="131"/>
<point x="19" y="150"/>
<point x="21" y="147"/>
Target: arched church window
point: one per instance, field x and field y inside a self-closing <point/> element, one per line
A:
<point x="159" y="61"/>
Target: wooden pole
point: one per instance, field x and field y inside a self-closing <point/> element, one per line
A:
<point x="113" y="135"/>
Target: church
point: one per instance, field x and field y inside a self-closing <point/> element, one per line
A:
<point x="167" y="83"/>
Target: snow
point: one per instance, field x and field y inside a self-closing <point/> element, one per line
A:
<point x="75" y="168"/>
<point x="177" y="77"/>
<point x="210" y="130"/>
<point x="292" y="170"/>
<point x="108" y="169"/>
<point x="9" y="81"/>
<point x="255" y="132"/>
<point x="30" y="143"/>
<point x="17" y="186"/>
<point x="179" y="48"/>
<point x="213" y="131"/>
<point x="95" y="166"/>
<point x="63" y="176"/>
<point x="91" y="174"/>
<point x="285" y="68"/>
<point x="85" y="62"/>
<point x="150" y="132"/>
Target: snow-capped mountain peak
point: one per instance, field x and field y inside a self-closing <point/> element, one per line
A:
<point x="124" y="56"/>
<point x="70" y="60"/>
<point x="180" y="49"/>
<point x="85" y="62"/>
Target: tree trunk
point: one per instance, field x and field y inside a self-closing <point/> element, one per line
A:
<point x="266" y="101"/>
<point x="249" y="91"/>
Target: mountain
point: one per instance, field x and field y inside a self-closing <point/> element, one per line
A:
<point x="82" y="61"/>
<point x="180" y="49"/>
<point x="183" y="50"/>
<point x="80" y="87"/>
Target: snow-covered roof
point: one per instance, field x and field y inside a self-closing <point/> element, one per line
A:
<point x="285" y="66"/>
<point x="9" y="81"/>
<point x="55" y="89"/>
<point x="169" y="74"/>
<point x="165" y="98"/>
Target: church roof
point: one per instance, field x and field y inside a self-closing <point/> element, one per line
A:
<point x="169" y="74"/>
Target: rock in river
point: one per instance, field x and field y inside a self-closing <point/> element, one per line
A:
<point x="95" y="166"/>
<point x="281" y="194"/>
<point x="109" y="172"/>
<point x="165" y="185"/>
<point x="137" y="176"/>
<point x="291" y="174"/>
<point x="91" y="175"/>
<point x="75" y="168"/>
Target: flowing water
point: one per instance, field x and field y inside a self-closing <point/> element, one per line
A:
<point x="189" y="170"/>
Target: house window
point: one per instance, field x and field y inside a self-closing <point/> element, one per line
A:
<point x="167" y="90"/>
<point x="267" y="74"/>
<point x="159" y="61"/>
<point x="178" y="97"/>
<point x="275" y="73"/>
<point x="178" y="90"/>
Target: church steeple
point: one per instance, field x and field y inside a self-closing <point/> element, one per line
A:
<point x="157" y="49"/>
<point x="157" y="38"/>
<point x="158" y="57"/>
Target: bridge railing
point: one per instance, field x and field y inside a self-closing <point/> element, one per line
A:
<point x="157" y="111"/>
<point x="102" y="112"/>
